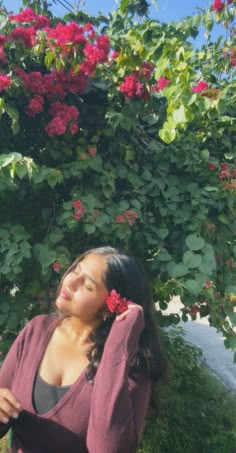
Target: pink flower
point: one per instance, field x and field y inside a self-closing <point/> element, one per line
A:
<point x="224" y="174"/>
<point x="200" y="87"/>
<point x="56" y="267"/>
<point x="147" y="69"/>
<point x="116" y="303"/>
<point x="77" y="204"/>
<point x="212" y="166"/>
<point x="218" y="6"/>
<point x="208" y="284"/>
<point x="131" y="88"/>
<point x="35" y="105"/>
<point x="73" y="128"/>
<point x="120" y="219"/>
<point x="193" y="310"/>
<point x="55" y="127"/>
<point x="92" y="151"/>
<point x="161" y="84"/>
<point x="114" y="54"/>
<point x="25" y="35"/>
<point x="28" y="15"/>
<point x="5" y="82"/>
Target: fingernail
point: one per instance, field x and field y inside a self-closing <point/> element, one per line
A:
<point x="5" y="420"/>
<point x="18" y="405"/>
<point x="15" y="415"/>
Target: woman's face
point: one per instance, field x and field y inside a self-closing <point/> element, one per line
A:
<point x="83" y="292"/>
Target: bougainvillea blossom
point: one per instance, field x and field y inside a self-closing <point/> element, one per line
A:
<point x="162" y="82"/>
<point x="5" y="81"/>
<point x="200" y="87"/>
<point x="29" y="16"/>
<point x="116" y="303"/>
<point x="131" y="88"/>
<point x="218" y="6"/>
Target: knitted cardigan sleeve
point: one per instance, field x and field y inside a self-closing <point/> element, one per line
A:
<point x="119" y="404"/>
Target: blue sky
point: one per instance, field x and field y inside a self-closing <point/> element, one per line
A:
<point x="167" y="9"/>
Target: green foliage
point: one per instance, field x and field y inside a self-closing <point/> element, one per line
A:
<point x="197" y="413"/>
<point x="139" y="165"/>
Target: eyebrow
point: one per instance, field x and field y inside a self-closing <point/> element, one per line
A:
<point x="88" y="276"/>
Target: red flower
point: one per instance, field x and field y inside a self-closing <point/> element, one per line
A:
<point x="161" y="84"/>
<point x="77" y="204"/>
<point x="116" y="303"/>
<point x="218" y="6"/>
<point x="147" y="69"/>
<point x="55" y="127"/>
<point x="56" y="267"/>
<point x="28" y="15"/>
<point x="26" y="35"/>
<point x="132" y="88"/>
<point x="224" y="174"/>
<point x="92" y="151"/>
<point x="120" y="219"/>
<point x="208" y="284"/>
<point x="200" y="87"/>
<point x="114" y="54"/>
<point x="73" y="128"/>
<point x="5" y="82"/>
<point x="212" y="166"/>
<point x="35" y="105"/>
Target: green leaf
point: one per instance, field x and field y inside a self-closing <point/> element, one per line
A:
<point x="89" y="228"/>
<point x="192" y="286"/>
<point x="194" y="242"/>
<point x="232" y="318"/>
<point x="179" y="115"/>
<point x="191" y="259"/>
<point x="177" y="270"/>
<point x="6" y="159"/>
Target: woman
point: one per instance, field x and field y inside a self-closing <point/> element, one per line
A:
<point x="80" y="382"/>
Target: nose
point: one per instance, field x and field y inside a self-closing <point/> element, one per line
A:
<point x="74" y="281"/>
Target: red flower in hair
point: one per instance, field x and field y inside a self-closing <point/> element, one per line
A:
<point x="116" y="303"/>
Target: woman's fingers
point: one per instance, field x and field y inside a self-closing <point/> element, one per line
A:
<point x="9" y="406"/>
<point x="126" y="312"/>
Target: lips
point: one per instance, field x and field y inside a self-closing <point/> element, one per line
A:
<point x="65" y="295"/>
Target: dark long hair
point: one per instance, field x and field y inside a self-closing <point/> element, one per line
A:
<point x="127" y="276"/>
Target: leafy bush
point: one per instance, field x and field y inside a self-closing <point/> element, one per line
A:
<point x="117" y="131"/>
<point x="197" y="413"/>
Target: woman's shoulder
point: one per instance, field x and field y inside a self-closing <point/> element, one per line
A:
<point x="39" y="323"/>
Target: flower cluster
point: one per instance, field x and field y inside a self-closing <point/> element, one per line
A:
<point x="80" y="48"/>
<point x="132" y="88"/>
<point x="5" y="82"/>
<point x="63" y="115"/>
<point x="80" y="209"/>
<point x="116" y="303"/>
<point x="160" y="85"/>
<point x="218" y="5"/>
<point x="226" y="174"/>
<point x="128" y="217"/>
<point x="29" y="16"/>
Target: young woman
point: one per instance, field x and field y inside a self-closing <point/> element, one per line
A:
<point x="80" y="382"/>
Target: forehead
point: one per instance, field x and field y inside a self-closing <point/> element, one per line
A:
<point x="95" y="266"/>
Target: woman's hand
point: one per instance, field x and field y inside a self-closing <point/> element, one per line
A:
<point x="9" y="406"/>
<point x="129" y="309"/>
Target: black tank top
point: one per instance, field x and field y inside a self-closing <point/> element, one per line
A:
<point x="46" y="396"/>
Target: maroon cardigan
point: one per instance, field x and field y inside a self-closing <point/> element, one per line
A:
<point x="106" y="417"/>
